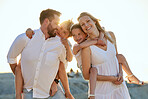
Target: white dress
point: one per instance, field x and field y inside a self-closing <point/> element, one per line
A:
<point x="107" y="64"/>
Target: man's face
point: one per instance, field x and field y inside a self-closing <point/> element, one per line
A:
<point x="53" y="25"/>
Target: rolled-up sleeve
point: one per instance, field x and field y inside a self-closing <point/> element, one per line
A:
<point x="16" y="48"/>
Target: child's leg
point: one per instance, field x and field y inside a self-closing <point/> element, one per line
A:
<point x="92" y="81"/>
<point x="124" y="63"/>
<point x="126" y="68"/>
<point x="64" y="80"/>
<point x="18" y="82"/>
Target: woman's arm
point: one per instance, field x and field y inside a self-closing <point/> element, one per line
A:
<point x="120" y="74"/>
<point x="86" y="61"/>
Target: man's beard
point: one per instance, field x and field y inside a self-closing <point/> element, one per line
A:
<point x="51" y="31"/>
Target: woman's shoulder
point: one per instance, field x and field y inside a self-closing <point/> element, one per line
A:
<point x="111" y="34"/>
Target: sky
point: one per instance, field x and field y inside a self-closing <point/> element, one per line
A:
<point x="128" y="19"/>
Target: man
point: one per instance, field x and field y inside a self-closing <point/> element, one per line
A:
<point x="40" y="57"/>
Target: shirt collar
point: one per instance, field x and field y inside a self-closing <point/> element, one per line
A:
<point x="43" y="36"/>
<point x="41" y="33"/>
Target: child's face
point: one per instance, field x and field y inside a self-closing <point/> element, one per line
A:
<point x="64" y="33"/>
<point x="78" y="35"/>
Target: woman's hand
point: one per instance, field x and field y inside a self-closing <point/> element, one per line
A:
<point x="119" y="79"/>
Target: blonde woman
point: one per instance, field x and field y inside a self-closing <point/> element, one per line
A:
<point x="103" y="58"/>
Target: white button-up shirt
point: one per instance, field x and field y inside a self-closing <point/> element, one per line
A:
<point x="39" y="61"/>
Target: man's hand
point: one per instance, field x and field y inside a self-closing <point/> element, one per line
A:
<point x="53" y="89"/>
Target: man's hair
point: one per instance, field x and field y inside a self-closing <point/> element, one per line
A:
<point x="48" y="13"/>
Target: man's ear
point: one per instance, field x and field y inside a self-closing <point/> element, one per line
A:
<point x="95" y="22"/>
<point x="46" y="21"/>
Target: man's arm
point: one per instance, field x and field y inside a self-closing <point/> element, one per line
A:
<point x="13" y="67"/>
<point x="16" y="48"/>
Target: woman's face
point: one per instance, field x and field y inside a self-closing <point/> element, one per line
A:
<point x="64" y="33"/>
<point x="78" y="35"/>
<point x="87" y="24"/>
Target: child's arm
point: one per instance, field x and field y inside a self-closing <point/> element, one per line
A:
<point x="101" y="40"/>
<point x="69" y="55"/>
<point x="84" y="44"/>
<point x="87" y="43"/>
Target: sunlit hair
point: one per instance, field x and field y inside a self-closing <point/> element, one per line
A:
<point x="48" y="13"/>
<point x="68" y="23"/>
<point x="100" y="29"/>
<point x="76" y="26"/>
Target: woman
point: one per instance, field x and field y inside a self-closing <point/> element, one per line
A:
<point x="103" y="58"/>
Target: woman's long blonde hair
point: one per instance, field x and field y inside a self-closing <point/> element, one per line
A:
<point x="100" y="29"/>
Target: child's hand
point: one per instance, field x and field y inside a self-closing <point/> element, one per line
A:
<point x="101" y="42"/>
<point x="29" y="33"/>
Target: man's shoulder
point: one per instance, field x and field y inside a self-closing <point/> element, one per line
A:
<point x="22" y="37"/>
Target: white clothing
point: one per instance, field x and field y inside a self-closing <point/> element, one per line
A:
<point x="39" y="61"/>
<point x="107" y="64"/>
